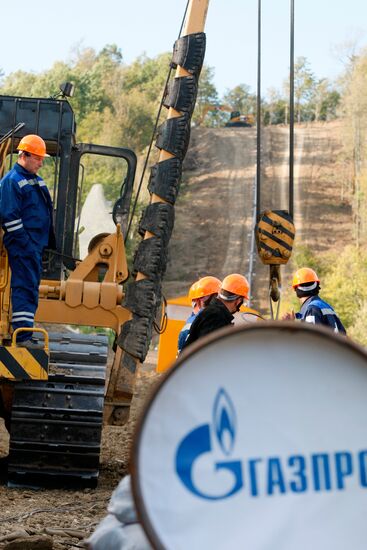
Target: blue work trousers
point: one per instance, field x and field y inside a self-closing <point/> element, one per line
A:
<point x="26" y="268"/>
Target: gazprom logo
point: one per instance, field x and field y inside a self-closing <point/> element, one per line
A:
<point x="210" y="467"/>
<point x="199" y="442"/>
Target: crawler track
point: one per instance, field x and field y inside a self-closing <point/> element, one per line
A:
<point x="56" y="425"/>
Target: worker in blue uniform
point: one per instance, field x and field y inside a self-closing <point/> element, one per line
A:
<point x="201" y="294"/>
<point x="313" y="309"/>
<point x="26" y="217"/>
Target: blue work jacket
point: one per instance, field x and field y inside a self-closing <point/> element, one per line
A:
<point x="26" y="211"/>
<point x="182" y="337"/>
<point x="318" y="312"/>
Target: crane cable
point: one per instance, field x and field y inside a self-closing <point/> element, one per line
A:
<point x="160" y="328"/>
<point x="274" y="274"/>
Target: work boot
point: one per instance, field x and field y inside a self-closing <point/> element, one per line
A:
<point x="31" y="343"/>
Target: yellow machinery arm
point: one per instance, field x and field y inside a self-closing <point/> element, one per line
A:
<point x="92" y="294"/>
<point x="144" y="294"/>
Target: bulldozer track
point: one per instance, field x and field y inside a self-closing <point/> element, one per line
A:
<point x="56" y="425"/>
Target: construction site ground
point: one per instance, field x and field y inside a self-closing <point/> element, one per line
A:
<point x="212" y="235"/>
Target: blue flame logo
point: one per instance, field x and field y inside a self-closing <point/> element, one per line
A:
<point x="224" y="421"/>
<point x="199" y="442"/>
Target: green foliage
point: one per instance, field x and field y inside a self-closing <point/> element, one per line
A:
<point x="345" y="284"/>
<point x="325" y="101"/>
<point x="109" y="172"/>
<point x="354" y="105"/>
<point x="240" y="99"/>
<point x="207" y="92"/>
<point x="207" y="98"/>
<point x="315" y="99"/>
<point x="304" y="83"/>
<point x="20" y="83"/>
<point x="275" y="111"/>
<point x="304" y="256"/>
<point x="147" y="76"/>
<point x="358" y="331"/>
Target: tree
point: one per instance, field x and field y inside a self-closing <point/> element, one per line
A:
<point x="207" y="98"/>
<point x="275" y="109"/>
<point x="324" y="101"/>
<point x="304" y="82"/>
<point x="19" y="83"/>
<point x="241" y="99"/>
<point x="355" y="135"/>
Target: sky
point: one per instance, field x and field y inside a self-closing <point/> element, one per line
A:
<point x="35" y="36"/>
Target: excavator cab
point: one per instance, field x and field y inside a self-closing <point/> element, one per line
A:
<point x="54" y="121"/>
<point x="241" y="121"/>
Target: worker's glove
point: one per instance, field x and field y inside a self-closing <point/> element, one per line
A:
<point x="289" y="316"/>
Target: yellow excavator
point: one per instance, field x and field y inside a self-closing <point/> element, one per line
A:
<point x="55" y="400"/>
<point x="236" y="119"/>
<point x="240" y="121"/>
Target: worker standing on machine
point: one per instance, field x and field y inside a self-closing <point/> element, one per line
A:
<point x="313" y="309"/>
<point x="201" y="294"/>
<point x="219" y="313"/>
<point x="26" y="217"/>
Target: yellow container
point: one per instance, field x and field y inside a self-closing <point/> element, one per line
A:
<point x="178" y="311"/>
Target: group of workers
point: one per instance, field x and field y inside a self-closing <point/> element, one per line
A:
<point x="214" y="304"/>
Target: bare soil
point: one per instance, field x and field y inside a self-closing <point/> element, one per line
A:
<point x="212" y="235"/>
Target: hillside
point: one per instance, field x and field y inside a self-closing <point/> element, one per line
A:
<point x="214" y="214"/>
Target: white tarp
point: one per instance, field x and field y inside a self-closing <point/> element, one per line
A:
<point x="120" y="529"/>
<point x="95" y="218"/>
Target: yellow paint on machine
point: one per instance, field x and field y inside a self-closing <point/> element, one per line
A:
<point x="4" y="372"/>
<point x="275" y="233"/>
<point x="178" y="311"/>
<point x="21" y="364"/>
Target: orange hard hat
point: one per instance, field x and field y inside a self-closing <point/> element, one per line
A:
<point x="33" y="144"/>
<point x="305" y="275"/>
<point x="236" y="284"/>
<point x="204" y="287"/>
<point x="192" y="290"/>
